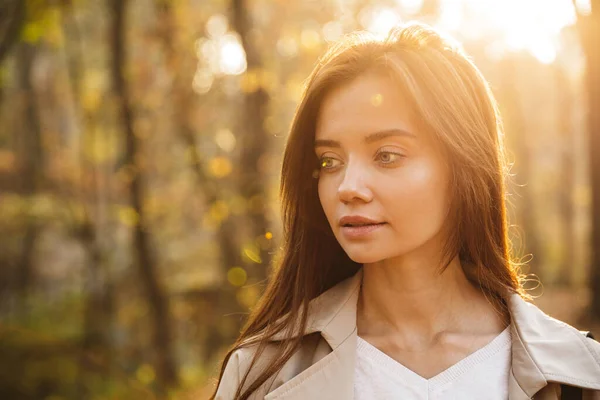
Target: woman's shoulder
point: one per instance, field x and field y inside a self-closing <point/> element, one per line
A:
<point x="531" y="322"/>
<point x="241" y="362"/>
<point x="558" y="350"/>
<point x="236" y="367"/>
<point x="530" y="319"/>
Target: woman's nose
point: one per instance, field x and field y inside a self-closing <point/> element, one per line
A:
<point x="354" y="185"/>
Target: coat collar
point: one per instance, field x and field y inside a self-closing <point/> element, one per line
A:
<point x="543" y="348"/>
<point x="547" y="350"/>
<point x="333" y="313"/>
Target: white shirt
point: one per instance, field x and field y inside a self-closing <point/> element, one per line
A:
<point x="481" y="375"/>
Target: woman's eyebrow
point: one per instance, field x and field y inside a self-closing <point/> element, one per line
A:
<point x="373" y="137"/>
<point x="370" y="138"/>
<point x="327" y="143"/>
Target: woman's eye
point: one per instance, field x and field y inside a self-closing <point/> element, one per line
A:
<point x="328" y="163"/>
<point x="387" y="157"/>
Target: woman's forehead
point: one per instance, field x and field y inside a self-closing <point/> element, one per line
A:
<point x="369" y="103"/>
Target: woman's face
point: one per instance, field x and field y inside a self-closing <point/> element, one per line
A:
<point x="383" y="185"/>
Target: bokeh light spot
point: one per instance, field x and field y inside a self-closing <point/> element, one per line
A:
<point x="225" y="139"/>
<point x="237" y="276"/>
<point x="247" y="296"/>
<point x="219" y="211"/>
<point x="377" y="99"/>
<point x="310" y="39"/>
<point x="287" y="46"/>
<point x="145" y="374"/>
<point x="332" y="31"/>
<point x="216" y="25"/>
<point x="220" y="167"/>
<point x="128" y="216"/>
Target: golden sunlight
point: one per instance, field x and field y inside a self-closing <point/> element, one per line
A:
<point x="532" y="25"/>
<point x="379" y="20"/>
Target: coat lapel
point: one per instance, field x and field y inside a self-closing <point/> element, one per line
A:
<point x="547" y="350"/>
<point x="330" y="378"/>
<point x="333" y="314"/>
<point x="525" y="379"/>
<point x="543" y="350"/>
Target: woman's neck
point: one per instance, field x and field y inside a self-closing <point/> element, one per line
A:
<point x="415" y="302"/>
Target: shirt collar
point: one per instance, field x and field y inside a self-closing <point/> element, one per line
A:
<point x="543" y="348"/>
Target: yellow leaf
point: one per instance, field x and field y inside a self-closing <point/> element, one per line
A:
<point x="128" y="216"/>
<point x="100" y="148"/>
<point x="237" y="276"/>
<point x="190" y="375"/>
<point x="252" y="253"/>
<point x="145" y="374"/>
<point x="90" y="99"/>
<point x="32" y="32"/>
<point x="53" y="29"/>
<point x="42" y="206"/>
<point x="219" y="211"/>
<point x="220" y="167"/>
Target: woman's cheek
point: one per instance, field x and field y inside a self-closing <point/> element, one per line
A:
<point x="326" y="197"/>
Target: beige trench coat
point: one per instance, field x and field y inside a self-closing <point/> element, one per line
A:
<point x="545" y="353"/>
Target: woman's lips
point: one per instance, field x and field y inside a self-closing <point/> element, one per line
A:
<point x="361" y="231"/>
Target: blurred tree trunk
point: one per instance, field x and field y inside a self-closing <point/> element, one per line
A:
<point x="516" y="125"/>
<point x="144" y="258"/>
<point x="229" y="252"/>
<point x="254" y="141"/>
<point x="589" y="29"/>
<point x="31" y="155"/>
<point x="96" y="354"/>
<point x="227" y="234"/>
<point x="567" y="175"/>
<point x="12" y="18"/>
<point x="183" y="105"/>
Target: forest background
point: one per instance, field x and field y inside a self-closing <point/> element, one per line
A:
<point x="140" y="146"/>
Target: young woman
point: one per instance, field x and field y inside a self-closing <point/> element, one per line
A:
<point x="396" y="279"/>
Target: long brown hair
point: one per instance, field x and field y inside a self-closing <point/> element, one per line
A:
<point x="454" y="103"/>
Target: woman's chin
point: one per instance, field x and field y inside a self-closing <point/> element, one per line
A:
<point x="363" y="257"/>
